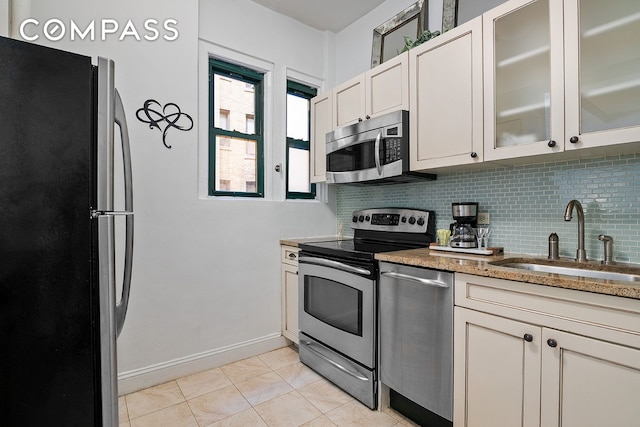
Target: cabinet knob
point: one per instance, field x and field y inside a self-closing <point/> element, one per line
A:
<point x="359" y="119"/>
<point x="552" y="343"/>
<point x="474" y="154"/>
<point x="367" y="117"/>
<point x="573" y="139"/>
<point x="551" y="143"/>
<point x="528" y="337"/>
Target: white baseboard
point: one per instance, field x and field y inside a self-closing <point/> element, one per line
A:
<point x="149" y="376"/>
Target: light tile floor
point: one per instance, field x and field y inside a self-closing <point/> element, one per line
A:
<point x="273" y="389"/>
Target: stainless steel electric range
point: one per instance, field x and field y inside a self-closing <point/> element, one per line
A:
<point x="338" y="282"/>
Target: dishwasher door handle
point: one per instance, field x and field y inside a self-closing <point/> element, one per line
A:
<point x="420" y="280"/>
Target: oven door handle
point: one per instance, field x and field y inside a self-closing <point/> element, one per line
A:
<point x="334" y="264"/>
<point x="420" y="280"/>
<point x="309" y="345"/>
<point x="377" y="153"/>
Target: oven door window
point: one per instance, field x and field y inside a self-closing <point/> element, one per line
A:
<point x="334" y="303"/>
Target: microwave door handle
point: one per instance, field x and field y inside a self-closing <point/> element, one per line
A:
<point x="377" y="153"/>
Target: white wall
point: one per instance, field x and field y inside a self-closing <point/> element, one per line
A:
<point x="353" y="44"/>
<point x="206" y="274"/>
<point x="5" y="17"/>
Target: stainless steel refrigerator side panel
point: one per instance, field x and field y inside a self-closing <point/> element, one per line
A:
<point x="105" y="137"/>
<point x="106" y="242"/>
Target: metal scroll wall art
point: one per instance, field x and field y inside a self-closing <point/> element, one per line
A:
<point x="164" y="118"/>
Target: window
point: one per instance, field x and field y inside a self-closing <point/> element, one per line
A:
<point x="235" y="130"/>
<point x="298" y="136"/>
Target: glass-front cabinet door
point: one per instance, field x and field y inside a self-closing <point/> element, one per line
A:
<point x="524" y="79"/>
<point x="602" y="72"/>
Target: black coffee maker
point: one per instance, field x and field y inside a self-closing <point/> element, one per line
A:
<point x="463" y="234"/>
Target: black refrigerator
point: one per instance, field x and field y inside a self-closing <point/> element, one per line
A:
<point x="60" y="117"/>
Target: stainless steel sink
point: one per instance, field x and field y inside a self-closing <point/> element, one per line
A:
<point x="568" y="268"/>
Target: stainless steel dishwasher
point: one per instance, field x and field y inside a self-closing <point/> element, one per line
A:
<point x="416" y="341"/>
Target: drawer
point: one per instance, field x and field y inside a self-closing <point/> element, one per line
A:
<point x="289" y="255"/>
<point x="563" y="309"/>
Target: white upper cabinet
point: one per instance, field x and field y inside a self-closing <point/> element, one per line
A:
<point x="602" y="72"/>
<point x="524" y="79"/>
<point x="561" y="76"/>
<point x="380" y="90"/>
<point x="321" y="124"/>
<point x="348" y="100"/>
<point x="387" y="86"/>
<point x="445" y="103"/>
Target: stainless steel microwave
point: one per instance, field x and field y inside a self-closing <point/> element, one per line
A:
<point x="372" y="151"/>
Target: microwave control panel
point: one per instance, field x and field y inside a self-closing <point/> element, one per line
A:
<point x="392" y="150"/>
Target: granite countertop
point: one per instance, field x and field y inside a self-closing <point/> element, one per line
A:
<point x="479" y="266"/>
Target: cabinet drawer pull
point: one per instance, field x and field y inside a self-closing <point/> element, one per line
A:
<point x="552" y="343"/>
<point x="292" y="255"/>
<point x="528" y="337"/>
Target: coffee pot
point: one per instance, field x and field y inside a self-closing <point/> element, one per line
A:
<point x="463" y="233"/>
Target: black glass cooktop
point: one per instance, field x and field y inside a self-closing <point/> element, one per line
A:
<point x="356" y="248"/>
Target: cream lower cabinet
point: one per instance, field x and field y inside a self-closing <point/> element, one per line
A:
<point x="289" y="275"/>
<point x="530" y="355"/>
<point x="588" y="382"/>
<point x="497" y="373"/>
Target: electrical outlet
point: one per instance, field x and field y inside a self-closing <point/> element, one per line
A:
<point x="483" y="218"/>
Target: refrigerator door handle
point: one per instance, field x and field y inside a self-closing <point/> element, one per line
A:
<point x="121" y="121"/>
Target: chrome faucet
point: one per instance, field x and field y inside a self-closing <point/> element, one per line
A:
<point x="581" y="255"/>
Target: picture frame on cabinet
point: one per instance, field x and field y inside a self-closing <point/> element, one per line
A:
<point x="449" y="14"/>
<point x="389" y="37"/>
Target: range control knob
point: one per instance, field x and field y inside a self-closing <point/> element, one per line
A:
<point x="412" y="220"/>
<point x="361" y="218"/>
<point x="354" y="219"/>
<point x="367" y="218"/>
<point x="421" y="221"/>
<point x="404" y="219"/>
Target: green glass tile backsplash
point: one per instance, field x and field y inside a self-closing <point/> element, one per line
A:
<point x="527" y="203"/>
